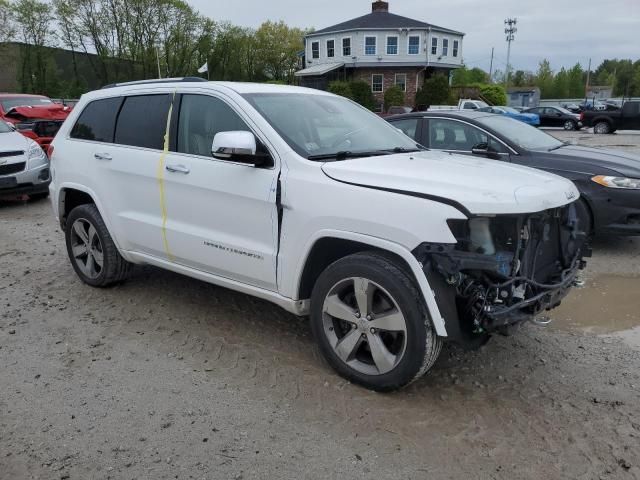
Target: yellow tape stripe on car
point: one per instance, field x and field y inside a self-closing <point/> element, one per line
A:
<point x="160" y="176"/>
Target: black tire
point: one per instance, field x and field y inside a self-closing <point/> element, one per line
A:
<point x="114" y="268"/>
<point x="422" y="345"/>
<point x="602" y="128"/>
<point x="570" y="125"/>
<point x="38" y="196"/>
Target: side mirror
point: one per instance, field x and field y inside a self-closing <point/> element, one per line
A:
<point x="485" y="150"/>
<point x="238" y="146"/>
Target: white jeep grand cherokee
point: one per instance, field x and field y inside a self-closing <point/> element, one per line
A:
<point x="310" y="201"/>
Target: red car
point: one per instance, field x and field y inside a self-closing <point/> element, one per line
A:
<point x="35" y="116"/>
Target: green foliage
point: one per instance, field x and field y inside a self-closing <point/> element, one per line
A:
<point x="494" y="94"/>
<point x="434" y="91"/>
<point x="361" y="92"/>
<point x="393" y="96"/>
<point x="341" y="88"/>
<point x="463" y="76"/>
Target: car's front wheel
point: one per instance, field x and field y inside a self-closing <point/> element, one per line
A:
<point x="91" y="249"/>
<point x="371" y="323"/>
<point x="570" y="125"/>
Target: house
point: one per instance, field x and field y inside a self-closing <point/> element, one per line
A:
<point x="528" y="97"/>
<point x="599" y="92"/>
<point x="383" y="49"/>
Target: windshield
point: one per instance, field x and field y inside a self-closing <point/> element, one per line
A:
<point x="564" y="110"/>
<point x="509" y="109"/>
<point x="322" y="125"/>
<point x="11" y="102"/>
<point x="521" y="134"/>
<point x="4" y="128"/>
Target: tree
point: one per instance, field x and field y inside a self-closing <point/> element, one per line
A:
<point x="341" y="88"/>
<point x="494" y="94"/>
<point x="544" y="79"/>
<point x="393" y="96"/>
<point x="434" y="91"/>
<point x="463" y="76"/>
<point x="361" y="91"/>
<point x="8" y="30"/>
<point x="278" y="47"/>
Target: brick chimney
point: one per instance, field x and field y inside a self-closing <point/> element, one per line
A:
<point x="380" y="6"/>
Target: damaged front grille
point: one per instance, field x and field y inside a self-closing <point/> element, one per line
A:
<point x="505" y="268"/>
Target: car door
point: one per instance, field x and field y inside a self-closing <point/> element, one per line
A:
<point x="117" y="144"/>
<point x="556" y="118"/>
<point x="221" y="215"/>
<point x="456" y="136"/>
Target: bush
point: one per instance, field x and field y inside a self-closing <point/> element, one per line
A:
<point x="341" y="88"/>
<point x="393" y="97"/>
<point x="494" y="94"/>
<point x="362" y="94"/>
<point x="434" y="91"/>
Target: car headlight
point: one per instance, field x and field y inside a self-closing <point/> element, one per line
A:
<point x="36" y="155"/>
<point x="617" y="182"/>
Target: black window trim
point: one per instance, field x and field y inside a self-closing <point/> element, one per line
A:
<point x="115" y="122"/>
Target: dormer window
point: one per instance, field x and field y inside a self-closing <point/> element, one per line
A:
<point x="370" y="45"/>
<point x="392" y="45"/>
<point x="315" y="50"/>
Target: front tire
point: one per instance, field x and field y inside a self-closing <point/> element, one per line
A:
<point x="570" y="125"/>
<point x="371" y="324"/>
<point x="91" y="249"/>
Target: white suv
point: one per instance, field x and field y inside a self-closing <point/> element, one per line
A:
<point x="310" y="201"/>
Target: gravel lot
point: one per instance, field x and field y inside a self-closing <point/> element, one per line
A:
<point x="168" y="377"/>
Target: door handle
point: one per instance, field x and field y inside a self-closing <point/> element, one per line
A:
<point x="102" y="156"/>
<point x="177" y="169"/>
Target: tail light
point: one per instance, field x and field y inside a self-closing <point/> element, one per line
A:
<point x="581" y="116"/>
<point x="50" y="151"/>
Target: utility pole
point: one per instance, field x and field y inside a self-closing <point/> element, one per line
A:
<point x="491" y="66"/>
<point x="158" y="60"/>
<point x="586" y="87"/>
<point x="510" y="31"/>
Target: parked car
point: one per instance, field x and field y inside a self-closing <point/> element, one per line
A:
<point x="608" y="180"/>
<point x="35" y="116"/>
<point x="398" y="110"/>
<point x="24" y="167"/>
<point x="528" y="118"/>
<point x="314" y="203"/>
<point x="557" y="117"/>
<point x="608" y="121"/>
<point x="463" y="104"/>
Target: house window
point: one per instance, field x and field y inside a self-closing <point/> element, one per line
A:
<point x="414" y="45"/>
<point x="346" y="47"/>
<point x="456" y="45"/>
<point x="331" y="48"/>
<point x="377" y="83"/>
<point x="434" y="45"/>
<point x="370" y="45"/>
<point x="401" y="81"/>
<point x="445" y="47"/>
<point x="315" y="49"/>
<point x="392" y="45"/>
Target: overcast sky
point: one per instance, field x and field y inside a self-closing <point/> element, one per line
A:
<point x="564" y="31"/>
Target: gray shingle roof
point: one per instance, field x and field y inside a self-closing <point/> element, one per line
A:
<point x="383" y="20"/>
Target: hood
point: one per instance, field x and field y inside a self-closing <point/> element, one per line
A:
<point x="13" y="142"/>
<point x="594" y="160"/>
<point x="481" y="186"/>
<point x="45" y="112"/>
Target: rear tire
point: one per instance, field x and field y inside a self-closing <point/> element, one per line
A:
<point x="602" y="128"/>
<point x="91" y="250"/>
<point x="392" y="342"/>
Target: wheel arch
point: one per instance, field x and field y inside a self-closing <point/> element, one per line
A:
<point x="330" y="246"/>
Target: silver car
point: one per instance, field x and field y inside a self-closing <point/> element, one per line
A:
<point x="24" y="167"/>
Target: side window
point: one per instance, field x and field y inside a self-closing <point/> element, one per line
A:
<point x="97" y="121"/>
<point x="453" y="135"/>
<point x="409" y="127"/>
<point x="143" y="121"/>
<point x="201" y="117"/>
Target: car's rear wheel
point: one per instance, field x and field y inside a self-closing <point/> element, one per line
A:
<point x="91" y="249"/>
<point x="570" y="125"/>
<point x="602" y="128"/>
<point x="371" y="323"/>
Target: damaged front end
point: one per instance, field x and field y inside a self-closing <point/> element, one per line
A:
<point x="504" y="269"/>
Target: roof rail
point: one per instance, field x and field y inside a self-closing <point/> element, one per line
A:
<point x="156" y="80"/>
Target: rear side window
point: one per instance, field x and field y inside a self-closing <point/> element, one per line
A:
<point x="143" y="121"/>
<point x="97" y="121"/>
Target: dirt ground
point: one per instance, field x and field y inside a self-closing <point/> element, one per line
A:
<point x="168" y="377"/>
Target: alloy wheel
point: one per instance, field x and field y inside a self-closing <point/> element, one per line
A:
<point x="87" y="248"/>
<point x="364" y="326"/>
<point x="569" y="125"/>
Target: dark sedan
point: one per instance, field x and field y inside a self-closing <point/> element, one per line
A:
<point x="556" y="117"/>
<point x="608" y="180"/>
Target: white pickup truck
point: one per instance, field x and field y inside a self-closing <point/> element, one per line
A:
<point x="310" y="201"/>
<point x="463" y="104"/>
